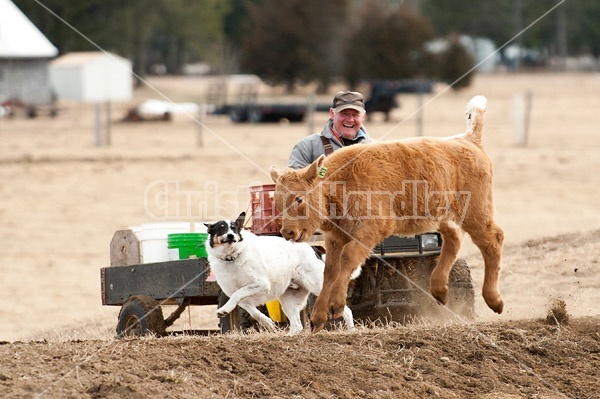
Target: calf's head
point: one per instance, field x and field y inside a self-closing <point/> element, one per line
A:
<point x="298" y="200"/>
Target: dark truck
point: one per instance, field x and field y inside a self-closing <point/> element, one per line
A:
<point x="271" y="112"/>
<point x="382" y="98"/>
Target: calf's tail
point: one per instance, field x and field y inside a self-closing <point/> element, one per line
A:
<point x="475" y="115"/>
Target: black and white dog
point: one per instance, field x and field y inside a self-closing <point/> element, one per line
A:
<point x="253" y="269"/>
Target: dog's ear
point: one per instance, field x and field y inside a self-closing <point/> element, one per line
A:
<point x="240" y="220"/>
<point x="208" y="225"/>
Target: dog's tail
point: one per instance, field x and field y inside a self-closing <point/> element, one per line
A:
<point x="475" y="113"/>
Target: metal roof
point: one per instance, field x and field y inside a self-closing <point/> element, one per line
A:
<point x="81" y="58"/>
<point x="19" y="37"/>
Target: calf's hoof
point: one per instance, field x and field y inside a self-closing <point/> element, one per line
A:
<point x="317" y="322"/>
<point x="337" y="313"/>
<point x="441" y="297"/>
<point x="316" y="327"/>
<point x="439" y="290"/>
<point x="496" y="304"/>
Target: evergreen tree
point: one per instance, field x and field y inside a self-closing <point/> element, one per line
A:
<point x="293" y="41"/>
<point x="455" y="65"/>
<point x="388" y="44"/>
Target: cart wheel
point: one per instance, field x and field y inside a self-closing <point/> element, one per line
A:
<point x="141" y="315"/>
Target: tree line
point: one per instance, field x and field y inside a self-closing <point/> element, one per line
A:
<point x="299" y="41"/>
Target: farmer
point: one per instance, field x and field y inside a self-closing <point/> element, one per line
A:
<point x="344" y="128"/>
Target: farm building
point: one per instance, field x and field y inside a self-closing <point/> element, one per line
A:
<point x="92" y="76"/>
<point x="24" y="56"/>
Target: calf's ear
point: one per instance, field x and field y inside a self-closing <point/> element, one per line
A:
<point x="275" y="173"/>
<point x="314" y="167"/>
<point x="240" y="220"/>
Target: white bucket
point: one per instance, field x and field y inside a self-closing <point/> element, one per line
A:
<point x="153" y="239"/>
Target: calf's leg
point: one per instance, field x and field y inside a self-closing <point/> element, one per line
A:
<point x="353" y="254"/>
<point x="332" y="266"/>
<point x="451" y="243"/>
<point x="489" y="239"/>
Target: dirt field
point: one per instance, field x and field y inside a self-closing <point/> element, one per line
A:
<point x="62" y="198"/>
<point x="505" y="360"/>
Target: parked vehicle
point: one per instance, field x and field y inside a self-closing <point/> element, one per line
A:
<point x="260" y="113"/>
<point x="383" y="97"/>
<point x="246" y="106"/>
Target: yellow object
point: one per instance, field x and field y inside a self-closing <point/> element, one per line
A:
<point x="275" y="312"/>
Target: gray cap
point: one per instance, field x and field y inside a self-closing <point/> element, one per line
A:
<point x="348" y="99"/>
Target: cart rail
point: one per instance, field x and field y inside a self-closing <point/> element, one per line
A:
<point x="165" y="281"/>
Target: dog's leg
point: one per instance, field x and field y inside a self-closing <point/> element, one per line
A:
<point x="310" y="276"/>
<point x="348" y="318"/>
<point x="292" y="303"/>
<point x="257" y="288"/>
<point x="451" y="242"/>
<point x="258" y="316"/>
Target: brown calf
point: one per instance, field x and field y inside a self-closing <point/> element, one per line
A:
<point x="361" y="194"/>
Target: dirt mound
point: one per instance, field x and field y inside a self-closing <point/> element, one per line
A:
<point x="539" y="273"/>
<point x="556" y="243"/>
<point x="530" y="358"/>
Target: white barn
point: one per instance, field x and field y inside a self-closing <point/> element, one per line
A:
<point x="24" y="56"/>
<point x="93" y="76"/>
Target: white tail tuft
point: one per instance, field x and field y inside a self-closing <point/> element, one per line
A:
<point x="475" y="111"/>
<point x="477" y="102"/>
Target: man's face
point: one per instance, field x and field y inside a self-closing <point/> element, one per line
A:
<point x="347" y="122"/>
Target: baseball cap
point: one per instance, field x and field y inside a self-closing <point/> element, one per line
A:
<point x="348" y="99"/>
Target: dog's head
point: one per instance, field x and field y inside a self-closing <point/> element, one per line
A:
<point x="225" y="232"/>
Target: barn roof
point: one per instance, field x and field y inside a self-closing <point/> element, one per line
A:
<point x="82" y="58"/>
<point x="19" y="37"/>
